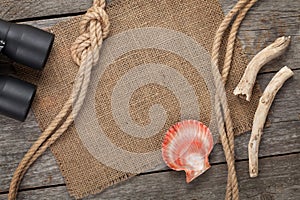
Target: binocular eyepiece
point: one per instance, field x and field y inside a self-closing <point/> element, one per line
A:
<point x="29" y="46"/>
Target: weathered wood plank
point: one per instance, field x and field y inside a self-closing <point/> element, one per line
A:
<point x="13" y="10"/>
<point x="279" y="138"/>
<point x="278" y="179"/>
<point x="265" y="22"/>
<point x="15" y="139"/>
<point x="16" y="10"/>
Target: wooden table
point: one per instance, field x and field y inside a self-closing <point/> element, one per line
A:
<point x="279" y="163"/>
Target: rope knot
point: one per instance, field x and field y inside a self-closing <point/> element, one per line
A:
<point x="94" y="27"/>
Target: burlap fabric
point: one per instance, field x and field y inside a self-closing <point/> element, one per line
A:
<point x="138" y="90"/>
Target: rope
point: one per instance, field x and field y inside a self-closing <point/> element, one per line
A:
<point x="231" y="39"/>
<point x="222" y="110"/>
<point x="94" y="27"/>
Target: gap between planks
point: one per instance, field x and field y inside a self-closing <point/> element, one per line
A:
<point x="18" y="138"/>
<point x="278" y="180"/>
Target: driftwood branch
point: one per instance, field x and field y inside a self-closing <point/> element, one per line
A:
<point x="277" y="48"/>
<point x="260" y="116"/>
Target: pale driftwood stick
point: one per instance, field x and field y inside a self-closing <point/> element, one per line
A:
<point x="277" y="48"/>
<point x="260" y="116"/>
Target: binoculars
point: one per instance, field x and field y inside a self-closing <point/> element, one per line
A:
<point x="28" y="46"/>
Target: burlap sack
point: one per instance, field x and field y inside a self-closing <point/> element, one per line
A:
<point x="138" y="89"/>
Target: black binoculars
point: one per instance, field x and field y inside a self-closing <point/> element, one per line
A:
<point x="28" y="46"/>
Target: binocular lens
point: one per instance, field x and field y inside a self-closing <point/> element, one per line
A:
<point x="29" y="46"/>
<point x="16" y="97"/>
<point x="25" y="44"/>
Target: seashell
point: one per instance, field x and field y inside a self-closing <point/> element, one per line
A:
<point x="186" y="146"/>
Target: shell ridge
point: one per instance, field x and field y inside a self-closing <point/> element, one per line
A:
<point x="186" y="146"/>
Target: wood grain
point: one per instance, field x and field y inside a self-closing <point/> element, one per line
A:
<point x="280" y="138"/>
<point x="278" y="179"/>
<point x="15" y="139"/>
<point x="279" y="175"/>
<point x="26" y="9"/>
<point x="265" y="22"/>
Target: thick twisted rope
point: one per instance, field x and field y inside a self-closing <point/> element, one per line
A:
<point x="222" y="109"/>
<point x="231" y="39"/>
<point x="85" y="52"/>
<point x="94" y="27"/>
<point x="221" y="102"/>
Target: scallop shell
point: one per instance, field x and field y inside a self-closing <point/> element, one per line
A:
<point x="186" y="146"/>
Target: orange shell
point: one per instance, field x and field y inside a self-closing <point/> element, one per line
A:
<point x="186" y="146"/>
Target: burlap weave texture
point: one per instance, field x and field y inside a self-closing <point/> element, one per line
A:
<point x="141" y="93"/>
